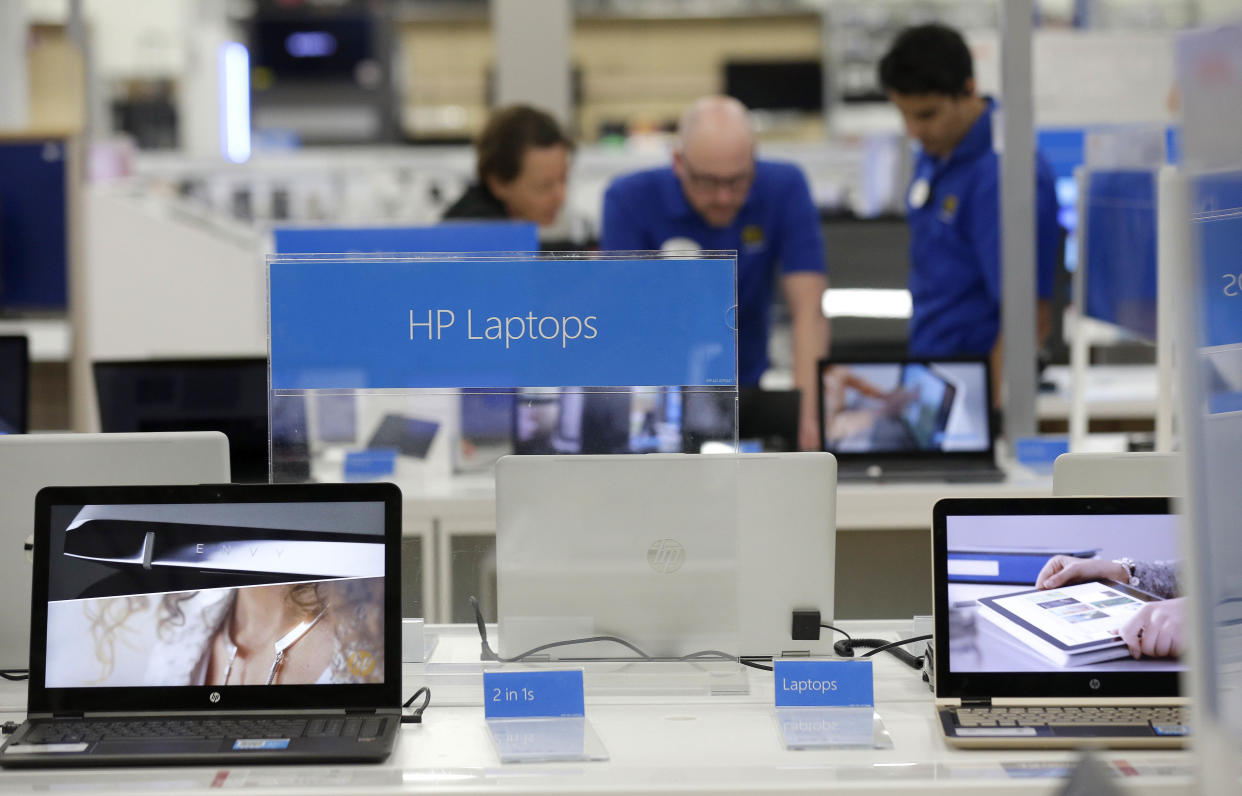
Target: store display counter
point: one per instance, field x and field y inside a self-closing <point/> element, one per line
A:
<point x="656" y="744"/>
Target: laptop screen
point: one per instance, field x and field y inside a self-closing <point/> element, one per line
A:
<point x="901" y="408"/>
<point x="570" y="421"/>
<point x="227" y="395"/>
<point x="1044" y="588"/>
<point x="208" y="588"/>
<point x="14" y="384"/>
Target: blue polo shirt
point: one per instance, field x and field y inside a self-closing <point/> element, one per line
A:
<point x="955" y="245"/>
<point x="776" y="231"/>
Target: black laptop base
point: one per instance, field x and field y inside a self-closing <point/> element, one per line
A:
<point x="202" y="740"/>
<point x="907" y="471"/>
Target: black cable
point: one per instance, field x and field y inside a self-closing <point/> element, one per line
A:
<point x="892" y="647"/>
<point x="15" y="674"/>
<point x="845" y="648"/>
<point x="836" y="630"/>
<point x="9" y="727"/>
<point x="417" y="716"/>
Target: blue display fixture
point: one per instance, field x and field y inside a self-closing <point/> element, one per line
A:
<point x="1120" y="238"/>
<point x="34" y="243"/>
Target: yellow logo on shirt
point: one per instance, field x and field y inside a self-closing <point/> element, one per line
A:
<point x="752" y="236"/>
<point x="948" y="208"/>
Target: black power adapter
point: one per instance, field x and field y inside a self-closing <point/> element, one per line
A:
<point x="805" y="626"/>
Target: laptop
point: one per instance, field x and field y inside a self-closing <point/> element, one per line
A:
<point x="14" y="384"/>
<point x="213" y="624"/>
<point x="1021" y="664"/>
<point x="675" y="553"/>
<point x="761" y="420"/>
<point x="228" y="395"/>
<point x="1136" y="473"/>
<point x="30" y="462"/>
<point x="409" y="436"/>
<point x="908" y="419"/>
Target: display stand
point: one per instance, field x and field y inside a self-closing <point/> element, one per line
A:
<point x="395" y="366"/>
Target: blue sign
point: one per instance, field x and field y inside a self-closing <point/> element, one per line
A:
<point x="1217" y="203"/>
<point x="827" y="728"/>
<point x="532" y="694"/>
<point x="452" y="236"/>
<point x="1120" y="229"/>
<point x="823" y="683"/>
<point x="529" y="322"/>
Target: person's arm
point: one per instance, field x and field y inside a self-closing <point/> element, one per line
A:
<point x="801" y="255"/>
<point x="804" y="295"/>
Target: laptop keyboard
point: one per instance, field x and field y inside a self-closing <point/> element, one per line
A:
<point x="90" y="730"/>
<point x="1160" y="720"/>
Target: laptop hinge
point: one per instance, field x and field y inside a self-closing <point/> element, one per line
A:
<point x="981" y="702"/>
<point x="72" y="714"/>
<point x="359" y="711"/>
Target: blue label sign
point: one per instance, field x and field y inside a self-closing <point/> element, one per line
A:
<point x="1218" y="211"/>
<point x="341" y="324"/>
<point x="527" y="694"/>
<point x="454" y="236"/>
<point x="823" y="683"/>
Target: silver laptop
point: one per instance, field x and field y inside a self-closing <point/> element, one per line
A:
<point x="1024" y="659"/>
<point x="1134" y="473"/>
<point x="213" y="624"/>
<point x="675" y="553"/>
<point x="30" y="462"/>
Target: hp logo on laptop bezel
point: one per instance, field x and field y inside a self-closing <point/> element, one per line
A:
<point x="1094" y="683"/>
<point x="666" y="556"/>
<point x="213" y="697"/>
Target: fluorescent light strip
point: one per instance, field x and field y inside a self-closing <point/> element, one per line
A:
<point x="867" y="303"/>
<point x="235" y="101"/>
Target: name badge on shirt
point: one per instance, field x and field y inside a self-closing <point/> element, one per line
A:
<point x="920" y="192"/>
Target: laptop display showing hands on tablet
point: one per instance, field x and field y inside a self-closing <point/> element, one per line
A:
<point x="1058" y="622"/>
<point x="908" y="419"/>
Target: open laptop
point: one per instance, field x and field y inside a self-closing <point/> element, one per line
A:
<point x="213" y="624"/>
<point x="676" y="553"/>
<point x="908" y="419"/>
<point x="14" y="384"/>
<point x="30" y="462"/>
<point x="1017" y="665"/>
<point x="227" y="395"/>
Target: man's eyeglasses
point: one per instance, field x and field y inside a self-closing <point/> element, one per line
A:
<point x="710" y="183"/>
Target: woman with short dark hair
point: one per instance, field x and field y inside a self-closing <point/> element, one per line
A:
<point x="522" y="168"/>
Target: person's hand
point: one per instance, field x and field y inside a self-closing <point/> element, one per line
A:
<point x="1156" y="630"/>
<point x="1064" y="570"/>
<point x="896" y="401"/>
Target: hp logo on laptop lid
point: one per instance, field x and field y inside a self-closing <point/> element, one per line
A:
<point x="666" y="556"/>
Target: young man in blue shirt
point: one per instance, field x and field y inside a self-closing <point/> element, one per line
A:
<point x="953" y="203"/>
<point x="717" y="195"/>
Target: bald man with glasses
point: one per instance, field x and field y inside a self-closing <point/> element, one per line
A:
<point x="718" y="195"/>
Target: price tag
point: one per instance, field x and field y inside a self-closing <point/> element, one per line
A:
<point x="532" y="694"/>
<point x="823" y="684"/>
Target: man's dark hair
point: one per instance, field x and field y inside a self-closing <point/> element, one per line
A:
<point x="927" y="59"/>
<point x="506" y="137"/>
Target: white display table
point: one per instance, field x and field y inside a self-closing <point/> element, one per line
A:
<point x="656" y="745"/>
